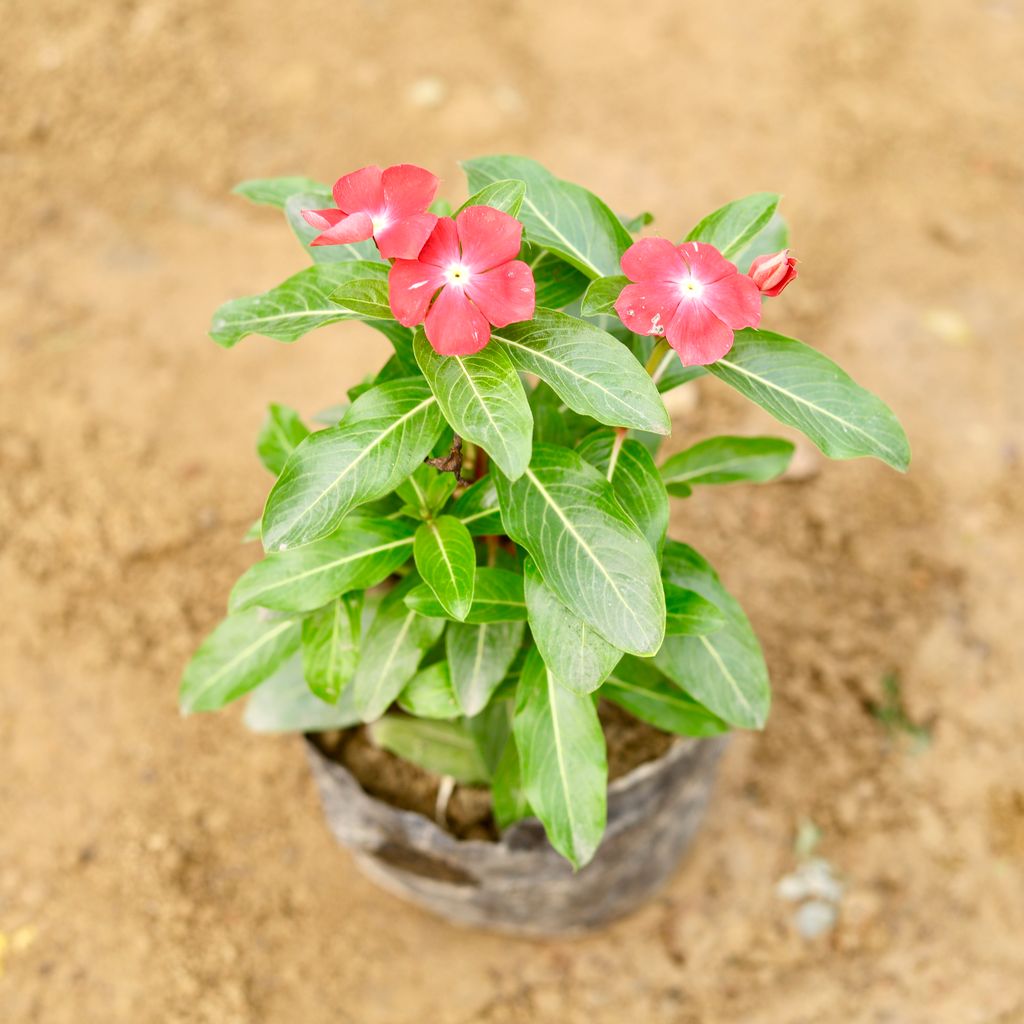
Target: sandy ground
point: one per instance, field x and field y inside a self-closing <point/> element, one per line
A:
<point x="168" y="870"/>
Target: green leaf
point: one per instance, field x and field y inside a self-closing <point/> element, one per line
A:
<point x="558" y="215"/>
<point x="506" y="195"/>
<point x="491" y="728"/>
<point x="361" y="554"/>
<point x="634" y="224"/>
<point x="365" y="296"/>
<point x="804" y="389"/>
<point x="444" y="748"/>
<point x="671" y="372"/>
<point x="483" y="399"/>
<point x="725" y="670"/>
<point x="446" y="559"/>
<point x="602" y="294"/>
<point x="578" y="657"/>
<point x="393" y="646"/>
<point x="592" y="371"/>
<point x="557" y="283"/>
<point x="275" y="191"/>
<point x="507" y="793"/>
<point x="384" y="436"/>
<point x="563" y="761"/>
<point x="689" y="614"/>
<point x="427" y="490"/>
<point x="429" y="693"/>
<point x="553" y="421"/>
<point x="726" y="460"/>
<point x="588" y="550"/>
<point x="477" y="508"/>
<point x="479" y="656"/>
<point x="318" y="199"/>
<point x="773" y="237"/>
<point x="497" y="597"/>
<point x="284" y="703"/>
<point x="627" y="465"/>
<point x="734" y="226"/>
<point x="645" y="693"/>
<point x="237" y="656"/>
<point x="330" y="646"/>
<point x="299" y="305"/>
<point x="282" y="431"/>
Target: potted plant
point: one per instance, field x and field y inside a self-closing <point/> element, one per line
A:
<point x="467" y="566"/>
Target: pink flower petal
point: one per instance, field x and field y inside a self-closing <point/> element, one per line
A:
<point x="454" y="326"/>
<point x="705" y="262"/>
<point x="442" y="247"/>
<point x="697" y="334"/>
<point x="411" y="286"/>
<point x="505" y="295"/>
<point x="322" y="219"/>
<point x="356" y="227"/>
<point x="489" y="237"/>
<point x="648" y="307"/>
<point x="735" y="300"/>
<point x="408" y="190"/>
<point x="360" y="191"/>
<point x="404" y="239"/>
<point x="653" y="259"/>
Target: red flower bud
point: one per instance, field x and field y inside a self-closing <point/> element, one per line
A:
<point x="772" y="273"/>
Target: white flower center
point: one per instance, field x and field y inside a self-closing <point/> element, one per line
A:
<point x="458" y="275"/>
<point x="691" y="288"/>
<point x="380" y="222"/>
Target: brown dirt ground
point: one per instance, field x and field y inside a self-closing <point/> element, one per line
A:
<point x="168" y="870"/>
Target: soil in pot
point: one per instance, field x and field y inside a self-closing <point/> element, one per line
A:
<point x="407" y="786"/>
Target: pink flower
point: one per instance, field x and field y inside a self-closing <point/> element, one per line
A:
<point x="470" y="264"/>
<point x="772" y="273"/>
<point x="388" y="206"/>
<point x="689" y="293"/>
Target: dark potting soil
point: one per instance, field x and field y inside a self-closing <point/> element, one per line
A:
<point x="468" y="816"/>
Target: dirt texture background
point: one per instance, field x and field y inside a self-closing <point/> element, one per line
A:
<point x="178" y="871"/>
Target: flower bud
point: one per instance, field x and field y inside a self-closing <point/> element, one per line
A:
<point x="772" y="273"/>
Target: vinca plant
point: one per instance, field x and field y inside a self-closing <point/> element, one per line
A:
<point x="471" y="553"/>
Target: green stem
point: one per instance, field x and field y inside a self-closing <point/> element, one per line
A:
<point x="656" y="359"/>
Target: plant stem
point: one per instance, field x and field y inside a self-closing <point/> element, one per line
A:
<point x="656" y="362"/>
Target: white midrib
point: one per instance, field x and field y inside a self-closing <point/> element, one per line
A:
<point x="725" y="672"/>
<point x="771" y="385"/>
<point x="444" y="553"/>
<point x="362" y="455"/>
<point x="664" y="698"/>
<point x="582" y="543"/>
<point x="563" y="773"/>
<point x="483" y="405"/>
<point x="246" y="652"/>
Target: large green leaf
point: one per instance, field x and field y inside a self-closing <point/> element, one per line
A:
<point x="316" y="199"/>
<point x="506" y="195"/>
<point x="557" y="283"/>
<point x="804" y="389"/>
<point x="725" y="670"/>
<point x="284" y="703"/>
<point x="479" y="656"/>
<point x="330" y="646"/>
<point x="579" y="657"/>
<point x="689" y="614"/>
<point x="636" y="685"/>
<point x="392" y="649"/>
<point x="589" y="552"/>
<point x="477" y="508"/>
<point x="558" y="215"/>
<point x="445" y="748"/>
<point x="245" y="649"/>
<point x="446" y="559"/>
<point x="563" y="761"/>
<point x="629" y="468"/>
<point x="281" y="433"/>
<point x="592" y="371"/>
<point x="507" y="793"/>
<point x="384" y="436"/>
<point x="726" y="460"/>
<point x="360" y="554"/>
<point x="483" y="399"/>
<point x="497" y="597"/>
<point x="275" y="191"/>
<point x="364" y="296"/>
<point x="732" y="227"/>
<point x="293" y="308"/>
<point x="429" y="693"/>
